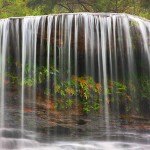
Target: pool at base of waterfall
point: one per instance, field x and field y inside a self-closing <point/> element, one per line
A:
<point x="71" y="145"/>
<point x="14" y="139"/>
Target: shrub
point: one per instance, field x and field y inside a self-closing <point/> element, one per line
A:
<point x="41" y="75"/>
<point x="119" y="96"/>
<point x="83" y="89"/>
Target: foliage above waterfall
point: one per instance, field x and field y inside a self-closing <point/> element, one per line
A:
<point x="12" y="8"/>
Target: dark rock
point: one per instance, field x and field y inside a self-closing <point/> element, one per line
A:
<point x="81" y="122"/>
<point x="59" y="130"/>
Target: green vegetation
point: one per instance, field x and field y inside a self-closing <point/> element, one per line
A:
<point x="144" y="87"/>
<point x="144" y="94"/>
<point x="13" y="8"/>
<point x="119" y="96"/>
<point x="85" y="91"/>
<point x="31" y="77"/>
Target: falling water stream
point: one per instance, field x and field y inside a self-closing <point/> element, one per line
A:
<point x="107" y="47"/>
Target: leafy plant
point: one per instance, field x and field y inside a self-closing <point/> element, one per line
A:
<point x="90" y="94"/>
<point x="144" y="87"/>
<point x="83" y="89"/>
<point x="144" y="94"/>
<point x="31" y="77"/>
<point x="118" y="96"/>
<point x="13" y="77"/>
<point x="116" y="88"/>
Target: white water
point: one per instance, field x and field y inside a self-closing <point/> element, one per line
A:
<point x="71" y="145"/>
<point x="28" y="143"/>
<point x="94" y="145"/>
<point x="29" y="41"/>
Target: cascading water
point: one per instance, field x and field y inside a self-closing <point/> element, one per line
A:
<point x="66" y="81"/>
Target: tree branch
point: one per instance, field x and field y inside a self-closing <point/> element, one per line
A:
<point x="80" y="3"/>
<point x="65" y="7"/>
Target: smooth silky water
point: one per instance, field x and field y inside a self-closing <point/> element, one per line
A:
<point x="100" y="45"/>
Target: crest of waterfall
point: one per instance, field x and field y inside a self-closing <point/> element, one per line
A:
<point x="106" y="47"/>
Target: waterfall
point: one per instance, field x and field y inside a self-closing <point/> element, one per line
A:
<point x="55" y="65"/>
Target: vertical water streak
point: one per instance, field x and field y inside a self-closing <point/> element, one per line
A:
<point x="69" y="50"/>
<point x="120" y="64"/>
<point x="4" y="36"/>
<point x="97" y="24"/>
<point x="76" y="23"/>
<point x="128" y="46"/>
<point x="42" y="39"/>
<point x="99" y="70"/>
<point x="24" y="38"/>
<point x="91" y="45"/>
<point x="121" y="47"/>
<point x="29" y="40"/>
<point x="34" y="57"/>
<point x="14" y="62"/>
<point x="86" y="39"/>
<point x="69" y="36"/>
<point x="110" y="49"/>
<point x="115" y="67"/>
<point x="16" y="38"/>
<point x="49" y="30"/>
<point x="55" y="51"/>
<point x="130" y="59"/>
<point x="62" y="48"/>
<point x="55" y="62"/>
<point x="103" y="25"/>
<point x="112" y="53"/>
<point x="68" y="30"/>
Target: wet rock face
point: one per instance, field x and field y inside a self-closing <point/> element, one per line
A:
<point x="79" y="34"/>
<point x="59" y="34"/>
<point x="81" y="122"/>
<point x="59" y="130"/>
